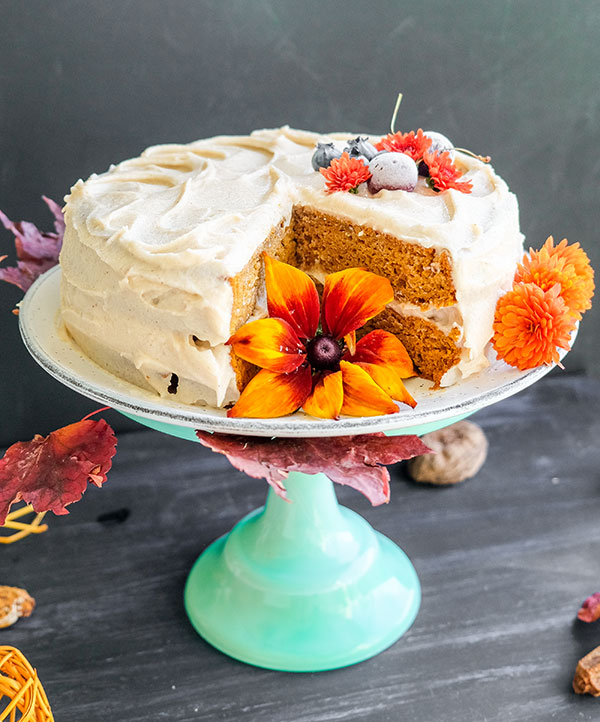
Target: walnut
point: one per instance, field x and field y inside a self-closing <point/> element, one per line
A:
<point x="461" y="450"/>
<point x="587" y="674"/>
<point x="14" y="603"/>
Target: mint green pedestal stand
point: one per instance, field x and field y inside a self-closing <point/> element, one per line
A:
<point x="303" y="585"/>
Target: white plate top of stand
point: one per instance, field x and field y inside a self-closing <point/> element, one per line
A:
<point x="49" y="344"/>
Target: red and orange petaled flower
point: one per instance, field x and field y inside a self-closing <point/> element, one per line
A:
<point x="412" y="144"/>
<point x="530" y="325"/>
<point x="308" y="353"/>
<point x="345" y="174"/>
<point x="567" y="265"/>
<point x="443" y="174"/>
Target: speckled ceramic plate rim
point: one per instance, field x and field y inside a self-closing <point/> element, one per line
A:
<point x="39" y="320"/>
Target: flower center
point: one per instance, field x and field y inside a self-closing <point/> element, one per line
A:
<point x="324" y="352"/>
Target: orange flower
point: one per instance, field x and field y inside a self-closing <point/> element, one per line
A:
<point x="412" y="144"/>
<point x="324" y="370"/>
<point x="345" y="174"/>
<point x="443" y="174"/>
<point x="567" y="265"/>
<point x="530" y="323"/>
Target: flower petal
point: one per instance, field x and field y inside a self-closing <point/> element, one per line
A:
<point x="270" y="343"/>
<point x="443" y="173"/>
<point x="362" y="396"/>
<point x="385" y="349"/>
<point x="351" y="298"/>
<point x="390" y="382"/>
<point x="269" y="395"/>
<point x="327" y="396"/>
<point x="350" y="341"/>
<point x="292" y="296"/>
<point x="565" y="264"/>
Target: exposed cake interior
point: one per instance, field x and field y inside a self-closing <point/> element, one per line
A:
<point x="162" y="258"/>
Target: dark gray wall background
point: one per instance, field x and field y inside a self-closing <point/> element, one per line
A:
<point x="84" y="84"/>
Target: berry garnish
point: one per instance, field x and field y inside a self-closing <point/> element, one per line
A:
<point x="360" y="148"/>
<point x="393" y="172"/>
<point x="439" y="142"/>
<point x="423" y="169"/>
<point x="324" y="154"/>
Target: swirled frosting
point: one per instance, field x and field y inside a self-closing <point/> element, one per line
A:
<point x="151" y="244"/>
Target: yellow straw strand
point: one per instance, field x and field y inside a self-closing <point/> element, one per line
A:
<point x="395" y="113"/>
<point x="23" y="529"/>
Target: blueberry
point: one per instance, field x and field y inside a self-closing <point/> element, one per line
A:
<point x="392" y="171"/>
<point x="361" y="148"/>
<point x="424" y="169"/>
<point x="324" y="154"/>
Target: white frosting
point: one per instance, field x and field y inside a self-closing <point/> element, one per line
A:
<point x="151" y="243"/>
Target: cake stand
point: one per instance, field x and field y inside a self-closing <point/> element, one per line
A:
<point x="301" y="586"/>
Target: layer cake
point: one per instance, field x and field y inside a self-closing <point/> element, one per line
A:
<point x="161" y="260"/>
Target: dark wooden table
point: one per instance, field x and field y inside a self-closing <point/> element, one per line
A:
<point x="504" y="559"/>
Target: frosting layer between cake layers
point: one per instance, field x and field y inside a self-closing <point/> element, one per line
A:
<point x="152" y="244"/>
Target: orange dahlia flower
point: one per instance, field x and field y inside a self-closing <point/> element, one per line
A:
<point x="443" y="174"/>
<point x="411" y="144"/>
<point x="345" y="174"/>
<point x="567" y="265"/>
<point x="530" y="325"/>
<point x="320" y="367"/>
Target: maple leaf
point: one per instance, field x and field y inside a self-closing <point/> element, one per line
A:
<point x="53" y="471"/>
<point x="590" y="609"/>
<point x="36" y="251"/>
<point x="356" y="461"/>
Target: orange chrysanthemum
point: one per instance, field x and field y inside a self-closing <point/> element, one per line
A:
<point x="530" y="325"/>
<point x="345" y="174"/>
<point x="320" y="366"/>
<point x="443" y="174"/>
<point x="412" y="144"/>
<point x="567" y="265"/>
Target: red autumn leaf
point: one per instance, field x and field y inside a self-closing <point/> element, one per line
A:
<point x="357" y="461"/>
<point x="36" y="251"/>
<point x="53" y="471"/>
<point x="590" y="609"/>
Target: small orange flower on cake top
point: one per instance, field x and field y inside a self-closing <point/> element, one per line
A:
<point x="345" y="174"/>
<point x="443" y="174"/>
<point x="530" y="325"/>
<point x="412" y="144"/>
<point x="567" y="265"/>
<point x="320" y="367"/>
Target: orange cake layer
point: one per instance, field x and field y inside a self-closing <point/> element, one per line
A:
<point x="419" y="275"/>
